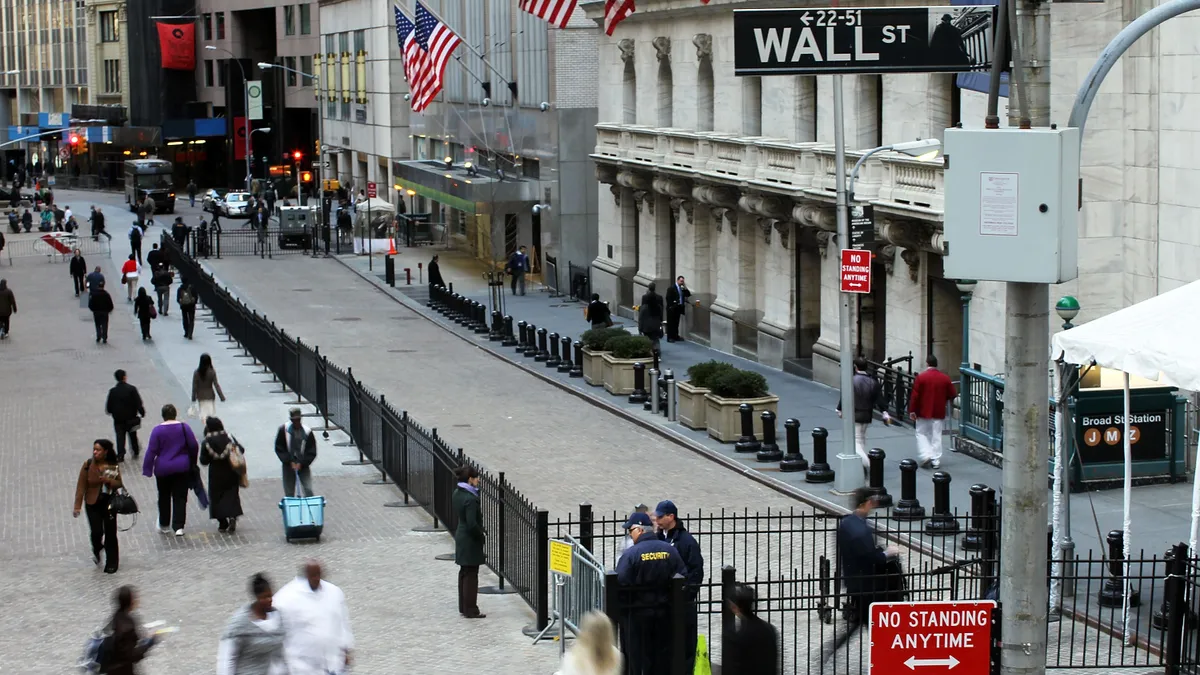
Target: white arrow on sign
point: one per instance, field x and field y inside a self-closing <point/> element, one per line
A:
<point x="913" y="662"/>
<point x="805" y="19"/>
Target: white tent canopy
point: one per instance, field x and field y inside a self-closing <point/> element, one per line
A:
<point x="1153" y="339"/>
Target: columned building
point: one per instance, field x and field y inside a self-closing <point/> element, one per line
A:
<point x="729" y="181"/>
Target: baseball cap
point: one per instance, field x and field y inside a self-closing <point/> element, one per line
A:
<point x="666" y="508"/>
<point x="638" y="518"/>
<point x="295" y="413"/>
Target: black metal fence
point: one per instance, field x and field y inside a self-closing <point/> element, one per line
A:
<point x="418" y="461"/>
<point x="895" y="377"/>
<point x="233" y="239"/>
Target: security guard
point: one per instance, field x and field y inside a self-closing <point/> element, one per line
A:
<point x="649" y="565"/>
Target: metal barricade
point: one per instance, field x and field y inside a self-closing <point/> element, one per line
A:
<point x="584" y="591"/>
<point x="55" y="246"/>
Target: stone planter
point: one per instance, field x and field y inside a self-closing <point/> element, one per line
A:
<point x="593" y="367"/>
<point x="692" y="408"/>
<point x="725" y="422"/>
<point x="618" y="374"/>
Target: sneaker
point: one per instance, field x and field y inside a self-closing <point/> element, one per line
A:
<point x="164" y="530"/>
<point x="179" y="532"/>
<point x="935" y="464"/>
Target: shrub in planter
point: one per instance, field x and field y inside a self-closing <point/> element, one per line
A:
<point x="701" y="375"/>
<point x="736" y="383"/>
<point x="621" y="355"/>
<point x="595" y="338"/>
<point x="728" y="391"/>
<point x="593" y="345"/>
<point x="692" y="410"/>
<point x="630" y="347"/>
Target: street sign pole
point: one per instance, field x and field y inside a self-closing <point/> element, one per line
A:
<point x="848" y="473"/>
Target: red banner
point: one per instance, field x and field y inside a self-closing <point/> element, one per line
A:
<point x="177" y="42"/>
<point x="239" y="138"/>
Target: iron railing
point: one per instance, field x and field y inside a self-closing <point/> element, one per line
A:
<point x="895" y="377"/>
<point x="231" y="240"/>
<point x="981" y="403"/>
<point x="579" y="279"/>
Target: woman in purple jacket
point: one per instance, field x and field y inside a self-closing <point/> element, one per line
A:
<point x="171" y="457"/>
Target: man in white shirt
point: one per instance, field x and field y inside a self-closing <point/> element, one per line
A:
<point x="317" y="624"/>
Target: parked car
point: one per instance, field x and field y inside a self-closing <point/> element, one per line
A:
<point x="213" y="198"/>
<point x="236" y="204"/>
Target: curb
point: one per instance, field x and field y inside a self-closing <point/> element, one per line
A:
<point x="677" y="439"/>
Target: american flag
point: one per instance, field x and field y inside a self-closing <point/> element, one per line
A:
<point x="557" y="12"/>
<point x="413" y="55"/>
<point x="616" y="11"/>
<point x="436" y="42"/>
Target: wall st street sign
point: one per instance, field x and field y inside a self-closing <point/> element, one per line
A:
<point x="827" y="41"/>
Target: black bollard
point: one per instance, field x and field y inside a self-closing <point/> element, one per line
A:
<point x="481" y="319"/>
<point x="1115" y="586"/>
<point x="909" y="507"/>
<point x="973" y="539"/>
<point x="1177" y="564"/>
<point x="748" y="441"/>
<point x="542" y="352"/>
<point x="655" y="365"/>
<point x="639" y="394"/>
<point x="433" y="297"/>
<point x="554" y="359"/>
<point x="875" y="458"/>
<point x="941" y="523"/>
<point x="531" y="349"/>
<point x="462" y="311"/>
<point x="389" y="270"/>
<point x="509" y="340"/>
<point x="819" y="472"/>
<point x="793" y="461"/>
<point x="497" y="332"/>
<point x="577" y="362"/>
<point x="522" y="338"/>
<point x="770" y="449"/>
<point x="565" y="365"/>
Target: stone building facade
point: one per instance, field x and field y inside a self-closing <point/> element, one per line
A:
<point x="729" y="181"/>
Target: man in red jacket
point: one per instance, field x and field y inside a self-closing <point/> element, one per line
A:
<point x="932" y="391"/>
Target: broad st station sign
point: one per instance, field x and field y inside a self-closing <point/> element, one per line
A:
<point x="930" y="638"/>
<point x="827" y="41"/>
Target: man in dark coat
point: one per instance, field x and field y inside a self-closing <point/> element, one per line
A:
<point x="296" y="448"/>
<point x="94" y="280"/>
<point x="650" y="315"/>
<point x="672" y="531"/>
<point x="155" y="259"/>
<point x="868" y="397"/>
<point x="648" y="565"/>
<point x="124" y="404"/>
<point x="753" y="648"/>
<point x="435" y="273"/>
<point x="677" y="297"/>
<point x="469" y="538"/>
<point x="100" y="303"/>
<point x="861" y="562"/>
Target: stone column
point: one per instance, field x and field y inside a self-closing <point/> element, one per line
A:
<point x="693" y="230"/>
<point x="907" y="310"/>
<point x="916" y="106"/>
<point x="859" y="94"/>
<point x="776" y="330"/>
<point x="826" y="351"/>
<point x="737" y="277"/>
<point x="654" y="242"/>
<point x="617" y="258"/>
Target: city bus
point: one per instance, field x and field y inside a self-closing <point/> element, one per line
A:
<point x="152" y="178"/>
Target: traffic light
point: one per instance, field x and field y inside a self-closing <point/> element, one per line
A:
<point x="317" y="147"/>
<point x="74" y="140"/>
<point x="297" y="155"/>
<point x="306" y="177"/>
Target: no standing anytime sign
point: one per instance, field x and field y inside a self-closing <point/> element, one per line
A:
<point x="930" y="638"/>
<point x="856" y="271"/>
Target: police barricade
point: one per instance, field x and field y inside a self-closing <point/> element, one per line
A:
<point x="578" y="587"/>
<point x="54" y="246"/>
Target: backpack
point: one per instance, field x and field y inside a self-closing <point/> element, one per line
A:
<point x="97" y="652"/>
<point x="186" y="298"/>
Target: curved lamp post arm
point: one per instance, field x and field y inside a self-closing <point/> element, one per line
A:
<point x="858" y="165"/>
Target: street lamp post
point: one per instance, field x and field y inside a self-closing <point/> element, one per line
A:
<point x="1067" y="309"/>
<point x="246" y="110"/>
<point x="320" y="169"/>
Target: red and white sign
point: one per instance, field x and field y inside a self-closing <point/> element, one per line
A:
<point x="856" y="271"/>
<point x="371" y="193"/>
<point x="931" y="638"/>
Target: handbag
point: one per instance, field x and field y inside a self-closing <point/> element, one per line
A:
<point x="193" y="410"/>
<point x="153" y="312"/>
<point x="237" y="460"/>
<point x="122" y="503"/>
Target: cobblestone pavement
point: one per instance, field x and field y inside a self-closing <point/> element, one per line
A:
<point x="54" y="381"/>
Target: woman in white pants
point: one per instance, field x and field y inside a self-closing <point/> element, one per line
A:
<point x="206" y="389"/>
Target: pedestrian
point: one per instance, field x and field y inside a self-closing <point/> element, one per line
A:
<point x="252" y="643"/>
<point x="316" y="624"/>
<point x="224" y="478"/>
<point x="672" y="530"/>
<point x="171" y="456"/>
<point x="147" y="213"/>
<point x="867" y="399"/>
<point x="595" y="651"/>
<point x="677" y="297"/>
<point x="135" y="242"/>
<point x="861" y="563"/>
<point x="650" y="315"/>
<point x="14" y="222"/>
<point x="206" y="389"/>
<point x="185" y="297"/>
<point x="155" y="259"/>
<point x="67" y="214"/>
<point x="2" y="242"/>
<point x="598" y="313"/>
<point x="78" y="270"/>
<point x="202" y="239"/>
<point x="72" y="224"/>
<point x="47" y="224"/>
<point x="468" y="541"/>
<point x="128" y="645"/>
<point x="143" y="309"/>
<point x="161" y="279"/>
<point x="98" y="226"/>
<point x="99" y="478"/>
<point x="94" y="279"/>
<point x="435" y="273"/>
<point x="60" y="217"/>
<point x="179" y="233"/>
<point x="932" y="392"/>
<point x="640" y="508"/>
<point x="191" y="192"/>
<point x="296" y="448"/>
<point x="101" y="306"/>
<point x="753" y="648"/>
<point x="518" y="267"/>
<point x="8" y="307"/>
<point x="27" y="220"/>
<point x="649" y="565"/>
<point x="124" y="405"/>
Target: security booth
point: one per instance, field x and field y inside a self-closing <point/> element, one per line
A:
<point x="295" y="225"/>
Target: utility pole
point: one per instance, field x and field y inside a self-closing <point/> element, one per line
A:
<point x="1023" y="551"/>
<point x="848" y="474"/>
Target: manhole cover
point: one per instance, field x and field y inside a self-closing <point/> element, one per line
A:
<point x="347" y="318"/>
<point x="460" y="426"/>
<point x="402" y="351"/>
<point x="302" y="290"/>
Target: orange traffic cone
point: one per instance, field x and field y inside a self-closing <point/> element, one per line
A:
<point x="392" y="246"/>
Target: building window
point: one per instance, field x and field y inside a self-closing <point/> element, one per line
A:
<point x="289" y="20"/>
<point x="112" y="76"/>
<point x="222" y="66"/>
<point x="305" y="19"/>
<point x="306" y="66"/>
<point x="208" y="72"/>
<point x="109" y="29"/>
<point x="289" y="62"/>
<point x="220" y="25"/>
<point x="208" y="27"/>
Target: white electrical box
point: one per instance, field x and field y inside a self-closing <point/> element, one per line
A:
<point x="1012" y="205"/>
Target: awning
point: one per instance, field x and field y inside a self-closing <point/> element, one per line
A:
<point x="454" y="188"/>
